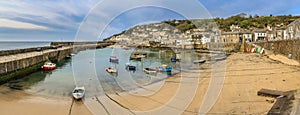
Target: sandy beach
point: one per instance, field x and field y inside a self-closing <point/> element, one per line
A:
<point x="245" y="74"/>
<point x="16" y="102"/>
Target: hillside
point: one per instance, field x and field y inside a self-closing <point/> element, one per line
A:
<point x="250" y="22"/>
<point x="177" y="28"/>
<point x="253" y="22"/>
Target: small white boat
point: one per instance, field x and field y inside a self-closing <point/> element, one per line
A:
<point x="220" y="58"/>
<point x="78" y="93"/>
<point x="150" y="70"/>
<point x="199" y="61"/>
<point x="111" y="70"/>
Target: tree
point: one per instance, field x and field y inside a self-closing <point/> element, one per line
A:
<point x="250" y="16"/>
<point x="244" y="24"/>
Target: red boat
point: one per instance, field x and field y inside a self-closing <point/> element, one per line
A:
<point x="49" y="66"/>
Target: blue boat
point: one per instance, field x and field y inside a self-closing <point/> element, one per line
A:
<point x="166" y="69"/>
<point x="174" y="59"/>
<point x="133" y="68"/>
<point x="130" y="67"/>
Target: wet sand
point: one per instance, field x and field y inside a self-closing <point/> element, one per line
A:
<point x="245" y="74"/>
<point x="16" y="102"/>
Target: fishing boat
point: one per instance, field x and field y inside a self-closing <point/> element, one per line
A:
<point x="149" y="70"/>
<point x="130" y="67"/>
<point x="78" y="93"/>
<point x="199" y="61"/>
<point x="113" y="59"/>
<point x="48" y="66"/>
<point x="111" y="70"/>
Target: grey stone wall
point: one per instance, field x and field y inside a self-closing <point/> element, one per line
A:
<point x="284" y="47"/>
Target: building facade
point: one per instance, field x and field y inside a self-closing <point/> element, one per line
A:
<point x="293" y="30"/>
<point x="260" y="35"/>
<point x="231" y="37"/>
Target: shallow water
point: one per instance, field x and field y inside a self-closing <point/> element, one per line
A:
<point x="87" y="68"/>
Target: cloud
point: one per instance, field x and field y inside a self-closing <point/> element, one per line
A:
<point x="135" y="12"/>
<point x="57" y="18"/>
<point x="20" y="25"/>
<point x="65" y="16"/>
<point x="53" y="13"/>
<point x="221" y="8"/>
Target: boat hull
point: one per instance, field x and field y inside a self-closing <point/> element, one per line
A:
<point x="110" y="70"/>
<point x="132" y="68"/>
<point x="221" y="58"/>
<point x="199" y="61"/>
<point x="48" y="68"/>
<point x="78" y="93"/>
<point x="149" y="70"/>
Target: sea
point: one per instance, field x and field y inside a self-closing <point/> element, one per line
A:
<point x="87" y="68"/>
<point x="8" y="45"/>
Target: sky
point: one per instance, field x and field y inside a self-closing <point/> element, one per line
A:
<point x="60" y="20"/>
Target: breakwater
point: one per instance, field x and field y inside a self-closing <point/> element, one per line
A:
<point x="18" y="51"/>
<point x="17" y="63"/>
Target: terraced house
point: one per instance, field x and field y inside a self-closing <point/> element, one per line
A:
<point x="293" y="30"/>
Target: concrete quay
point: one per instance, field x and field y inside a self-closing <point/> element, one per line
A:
<point x="18" y="65"/>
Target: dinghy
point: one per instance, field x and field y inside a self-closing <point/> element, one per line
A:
<point x="111" y="70"/>
<point x="78" y="93"/>
<point x="113" y="59"/>
<point x="199" y="61"/>
<point x="220" y="58"/>
<point x="149" y="70"/>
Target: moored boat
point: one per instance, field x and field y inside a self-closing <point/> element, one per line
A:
<point x="126" y="48"/>
<point x="164" y="69"/>
<point x="130" y="67"/>
<point x="149" y="70"/>
<point x="199" y="61"/>
<point x="135" y="58"/>
<point x="113" y="59"/>
<point x="138" y="56"/>
<point x="48" y="66"/>
<point x="78" y="93"/>
<point x="111" y="70"/>
<point x="220" y="58"/>
<point x="174" y="59"/>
